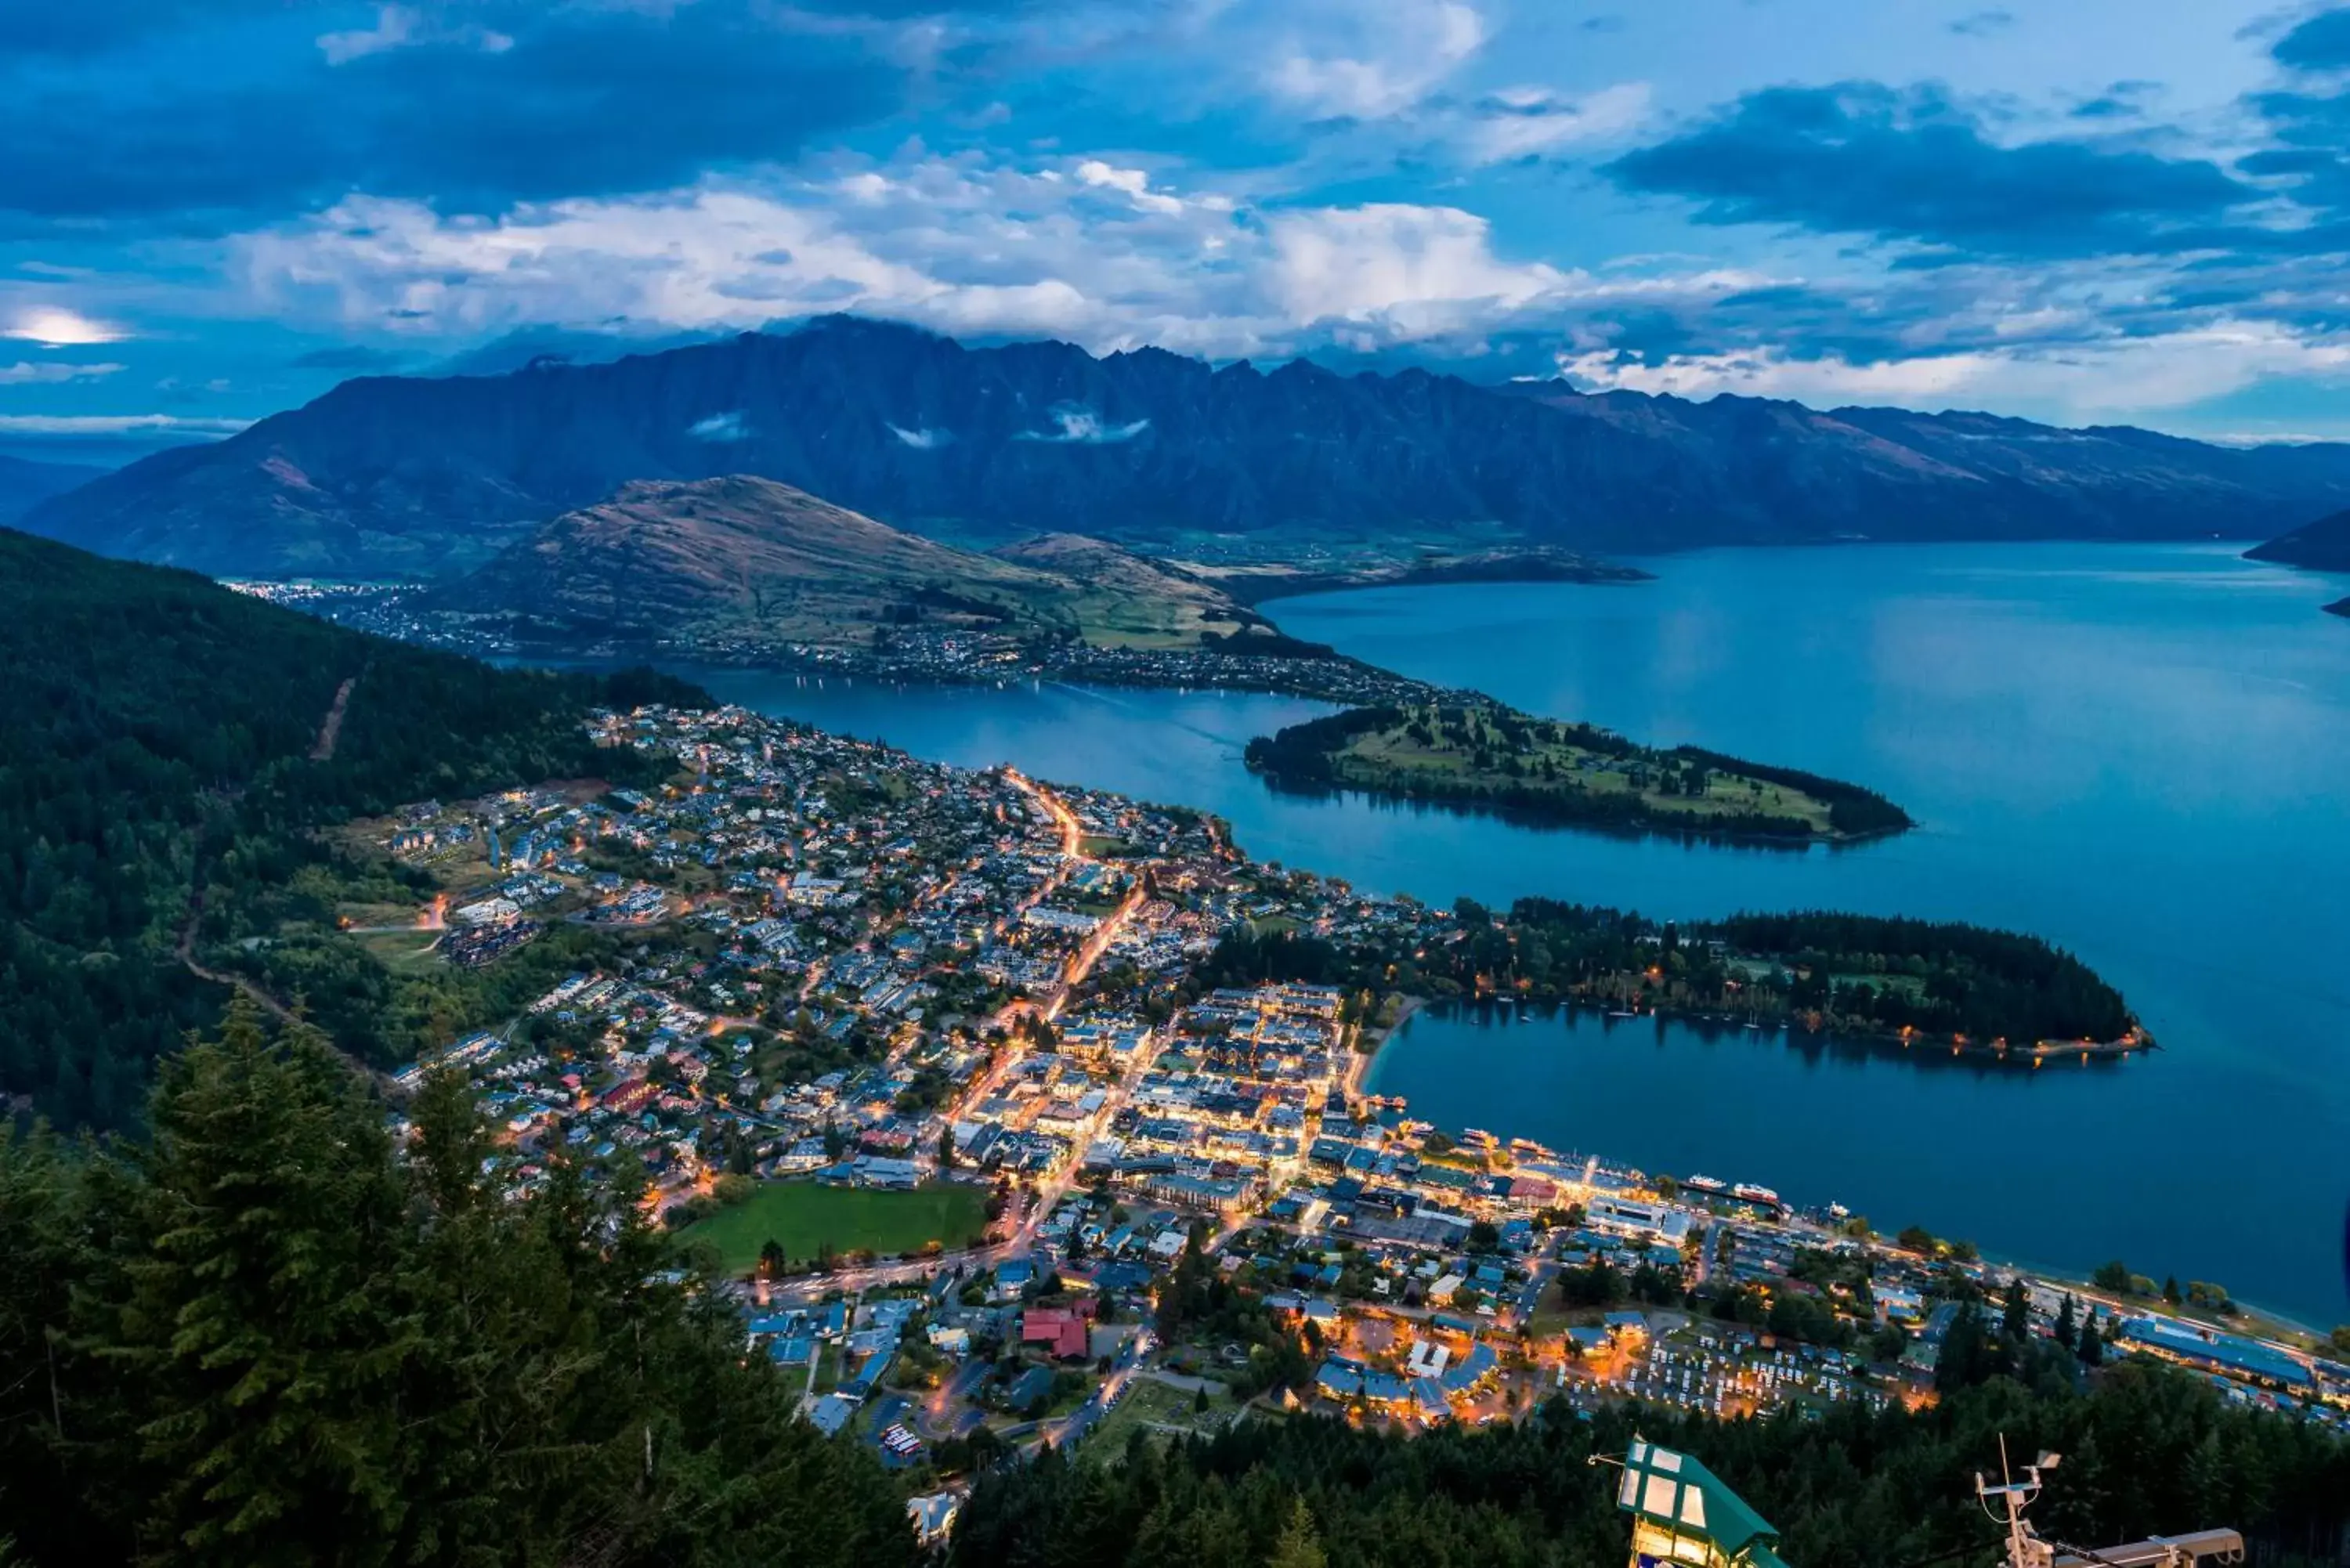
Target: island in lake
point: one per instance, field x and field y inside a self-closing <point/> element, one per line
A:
<point x="1469" y="752"/>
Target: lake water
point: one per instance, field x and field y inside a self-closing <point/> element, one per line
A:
<point x="2141" y="752"/>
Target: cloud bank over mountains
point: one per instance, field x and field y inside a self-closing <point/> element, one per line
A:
<point x="2079" y="213"/>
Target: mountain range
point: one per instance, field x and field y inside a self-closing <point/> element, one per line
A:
<point x="400" y="476"/>
<point x="2320" y="546"/>
<point x="739" y="561"/>
<point x="25" y="484"/>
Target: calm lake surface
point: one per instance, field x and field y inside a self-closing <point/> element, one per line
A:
<point x="2141" y="752"/>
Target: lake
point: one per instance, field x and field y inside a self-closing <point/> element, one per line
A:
<point x="2140" y="753"/>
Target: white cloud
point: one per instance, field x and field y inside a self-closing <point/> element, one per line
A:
<point x="1527" y="121"/>
<point x="1133" y="182"/>
<point x="720" y="427"/>
<point x="25" y="373"/>
<point x="405" y="26"/>
<point x="1083" y="427"/>
<point x="117" y="424"/>
<point x="55" y="327"/>
<point x="924" y="440"/>
<point x="1422" y="270"/>
<point x="1366" y="62"/>
<point x="2113" y="378"/>
<point x="961" y="244"/>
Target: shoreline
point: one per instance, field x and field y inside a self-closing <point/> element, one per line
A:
<point x="2255" y="1320"/>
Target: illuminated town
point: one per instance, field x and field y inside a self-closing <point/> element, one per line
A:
<point x="976" y="1025"/>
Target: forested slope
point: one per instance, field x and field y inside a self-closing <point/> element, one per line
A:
<point x="157" y="785"/>
<point x="271" y="1338"/>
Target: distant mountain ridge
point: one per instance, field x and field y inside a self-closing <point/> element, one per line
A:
<point x="398" y="476"/>
<point x="2321" y="547"/>
<point x="25" y="484"/>
<point x="744" y="562"/>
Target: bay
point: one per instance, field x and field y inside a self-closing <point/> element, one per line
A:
<point x="2141" y="752"/>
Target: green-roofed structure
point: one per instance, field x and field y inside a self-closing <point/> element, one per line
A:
<point x="1684" y="1517"/>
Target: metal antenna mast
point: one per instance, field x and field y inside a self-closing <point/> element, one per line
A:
<point x="2027" y="1549"/>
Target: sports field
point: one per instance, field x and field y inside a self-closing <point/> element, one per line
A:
<point x="805" y="1215"/>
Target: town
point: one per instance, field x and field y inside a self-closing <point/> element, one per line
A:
<point x="946" y="1074"/>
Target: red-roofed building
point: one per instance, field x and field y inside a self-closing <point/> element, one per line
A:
<point x="630" y="1097"/>
<point x="1063" y="1332"/>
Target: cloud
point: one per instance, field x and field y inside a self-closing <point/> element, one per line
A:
<point x="923" y="440"/>
<point x="1084" y="426"/>
<point x="720" y="427"/>
<point x="1519" y="122"/>
<point x="2112" y="376"/>
<point x="58" y="328"/>
<point x="1134" y="182"/>
<point x="357" y="358"/>
<point x="26" y="373"/>
<point x="1982" y="24"/>
<point x="1865" y="158"/>
<point x="961" y="244"/>
<point x="2319" y="43"/>
<point x="475" y="104"/>
<point x="1417" y="270"/>
<point x="406" y="26"/>
<point x="1361" y="62"/>
<point x="98" y="425"/>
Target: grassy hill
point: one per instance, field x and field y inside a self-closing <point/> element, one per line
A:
<point x="161" y="780"/>
<point x="740" y="564"/>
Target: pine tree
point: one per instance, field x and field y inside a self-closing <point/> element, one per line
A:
<point x="1299" y="1546"/>
<point x="2066" y="1322"/>
<point x="2015" y="1311"/>
<point x="266" y="1321"/>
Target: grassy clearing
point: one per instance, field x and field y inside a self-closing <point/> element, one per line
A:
<point x="806" y="1216"/>
<point x="403" y="952"/>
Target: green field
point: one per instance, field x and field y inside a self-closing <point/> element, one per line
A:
<point x="805" y="1215"/>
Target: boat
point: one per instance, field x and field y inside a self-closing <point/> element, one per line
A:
<point x="1753" y="1194"/>
<point x="1706" y="1184"/>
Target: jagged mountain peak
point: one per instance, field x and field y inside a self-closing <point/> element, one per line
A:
<point x="413" y="476"/>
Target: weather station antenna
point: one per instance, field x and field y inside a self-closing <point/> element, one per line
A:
<point x="2026" y="1548"/>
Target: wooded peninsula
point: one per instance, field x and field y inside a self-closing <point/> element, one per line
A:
<point x="1946" y="985"/>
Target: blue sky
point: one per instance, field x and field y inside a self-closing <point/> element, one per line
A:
<point x="2086" y="212"/>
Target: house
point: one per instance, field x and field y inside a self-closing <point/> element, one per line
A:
<point x="1062" y="1333"/>
<point x="829" y="1413"/>
<point x="1031" y="1391"/>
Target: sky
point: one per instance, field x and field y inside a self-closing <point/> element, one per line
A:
<point x="2077" y="211"/>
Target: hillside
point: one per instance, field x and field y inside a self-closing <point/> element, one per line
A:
<point x="403" y="476"/>
<point x="738" y="562"/>
<point x="24" y="484"/>
<point x="2321" y="547"/>
<point x="160" y="788"/>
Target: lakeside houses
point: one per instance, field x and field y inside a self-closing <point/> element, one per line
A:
<point x="814" y="959"/>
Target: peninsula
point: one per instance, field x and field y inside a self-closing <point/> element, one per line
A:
<point x="1471" y="753"/>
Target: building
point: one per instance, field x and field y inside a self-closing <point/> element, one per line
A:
<point x="1681" y="1514"/>
<point x="2230" y="1355"/>
<point x="1632" y="1219"/>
